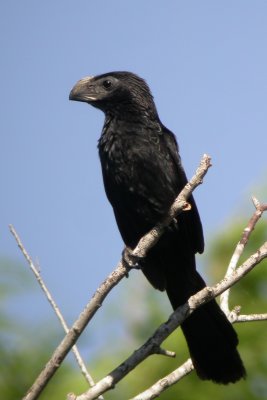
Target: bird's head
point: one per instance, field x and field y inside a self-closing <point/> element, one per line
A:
<point x="115" y="93"/>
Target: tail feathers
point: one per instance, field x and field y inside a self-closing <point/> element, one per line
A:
<point x="211" y="339"/>
<point x="212" y="344"/>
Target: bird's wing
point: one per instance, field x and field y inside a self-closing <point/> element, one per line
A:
<point x="189" y="220"/>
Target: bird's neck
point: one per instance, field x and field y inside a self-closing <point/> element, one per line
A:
<point x="133" y="116"/>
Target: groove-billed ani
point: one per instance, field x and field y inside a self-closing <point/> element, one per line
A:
<point x="143" y="174"/>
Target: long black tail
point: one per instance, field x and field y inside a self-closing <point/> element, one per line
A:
<point x="211" y="339"/>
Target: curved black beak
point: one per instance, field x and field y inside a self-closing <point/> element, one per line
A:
<point x="82" y="91"/>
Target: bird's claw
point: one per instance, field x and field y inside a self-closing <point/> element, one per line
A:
<point x="131" y="261"/>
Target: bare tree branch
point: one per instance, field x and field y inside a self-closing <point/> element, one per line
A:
<point x="176" y="318"/>
<point x="113" y="279"/>
<point x="55" y="307"/>
<point x="260" y="208"/>
<point x="164" y="383"/>
<point x="251" y="318"/>
<point x="235" y="316"/>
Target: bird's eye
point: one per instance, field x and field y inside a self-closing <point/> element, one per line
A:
<point x="107" y="84"/>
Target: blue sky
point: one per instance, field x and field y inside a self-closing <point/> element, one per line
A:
<point x="206" y="64"/>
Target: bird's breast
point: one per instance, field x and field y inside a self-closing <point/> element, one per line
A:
<point x="134" y="171"/>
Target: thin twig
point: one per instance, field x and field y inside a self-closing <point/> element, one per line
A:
<point x="236" y="317"/>
<point x="260" y="208"/>
<point x="52" y="302"/>
<point x="167" y="353"/>
<point x="176" y="318"/>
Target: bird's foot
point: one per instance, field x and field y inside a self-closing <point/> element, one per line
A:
<point x="131" y="260"/>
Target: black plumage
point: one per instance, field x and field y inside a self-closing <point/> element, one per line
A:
<point x="142" y="175"/>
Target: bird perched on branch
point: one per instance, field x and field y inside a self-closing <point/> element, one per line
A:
<point x="142" y="175"/>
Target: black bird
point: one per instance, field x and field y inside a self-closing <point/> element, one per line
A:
<point x="142" y="175"/>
